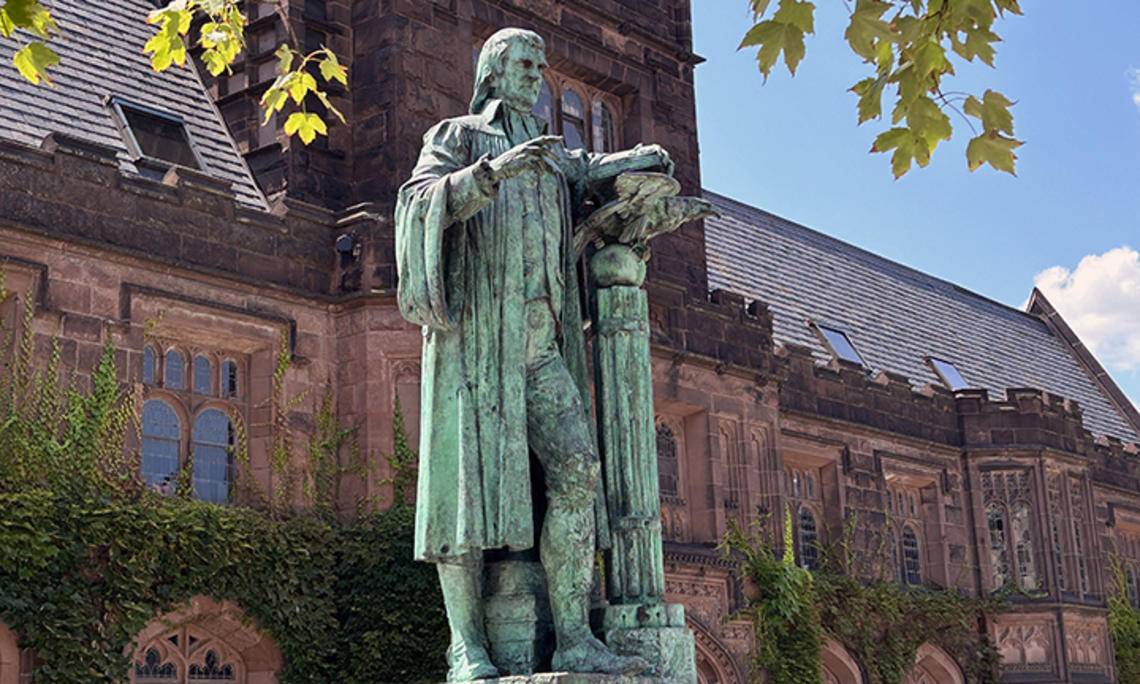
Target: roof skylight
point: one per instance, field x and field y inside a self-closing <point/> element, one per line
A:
<point x="841" y="346"/>
<point x="155" y="135"/>
<point x="948" y="373"/>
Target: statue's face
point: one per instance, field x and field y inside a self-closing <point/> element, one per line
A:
<point x="521" y="82"/>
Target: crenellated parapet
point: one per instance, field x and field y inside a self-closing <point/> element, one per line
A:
<point x="845" y="391"/>
<point x="73" y="189"/>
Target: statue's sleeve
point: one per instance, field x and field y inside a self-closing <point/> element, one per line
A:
<point x="446" y="188"/>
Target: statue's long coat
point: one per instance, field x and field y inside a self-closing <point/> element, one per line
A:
<point x="460" y="259"/>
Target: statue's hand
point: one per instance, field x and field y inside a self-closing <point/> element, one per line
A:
<point x="654" y="156"/>
<point x="533" y="155"/>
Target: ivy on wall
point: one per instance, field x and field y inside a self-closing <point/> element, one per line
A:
<point x="88" y="555"/>
<point x="881" y="623"/>
<point x="1124" y="625"/>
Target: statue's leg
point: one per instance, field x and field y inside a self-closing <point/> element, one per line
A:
<point x="559" y="434"/>
<point x="462" y="585"/>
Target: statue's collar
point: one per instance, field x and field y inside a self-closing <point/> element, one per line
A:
<point x="491" y="119"/>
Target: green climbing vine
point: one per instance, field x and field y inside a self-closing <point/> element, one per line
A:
<point x="89" y="555"/>
<point x="1123" y="624"/>
<point x="848" y="598"/>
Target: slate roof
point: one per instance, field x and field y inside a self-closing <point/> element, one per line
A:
<point x="103" y="56"/>
<point x="895" y="315"/>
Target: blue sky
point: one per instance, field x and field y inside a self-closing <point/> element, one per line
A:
<point x="1069" y="222"/>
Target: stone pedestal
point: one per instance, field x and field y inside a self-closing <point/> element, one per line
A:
<point x="518" y="621"/>
<point x="655" y="632"/>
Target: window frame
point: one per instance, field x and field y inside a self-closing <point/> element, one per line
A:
<point x="118" y="104"/>
<point x="557" y="84"/>
<point x="819" y="327"/>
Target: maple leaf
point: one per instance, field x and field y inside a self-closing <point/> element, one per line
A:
<point x="994" y="149"/>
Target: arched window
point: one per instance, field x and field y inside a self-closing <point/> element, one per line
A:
<point x="161" y="444"/>
<point x="230" y="385"/>
<point x="1023" y="546"/>
<point x="808" y="538"/>
<point x="797" y="484"/>
<point x="900" y="502"/>
<point x="573" y="120"/>
<point x="667" y="467"/>
<point x="544" y="108"/>
<point x="913" y="509"/>
<point x="203" y="375"/>
<point x="809" y="486"/>
<point x="175" y="372"/>
<point x="912" y="557"/>
<point x="148" y="364"/>
<point x="152" y="669"/>
<point x="212" y="670"/>
<point x="999" y="553"/>
<point x="605" y="136"/>
<point x="213" y="441"/>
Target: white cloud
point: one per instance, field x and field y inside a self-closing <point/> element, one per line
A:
<point x="1134" y="81"/>
<point x="1100" y="300"/>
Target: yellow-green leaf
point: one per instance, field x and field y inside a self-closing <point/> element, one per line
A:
<point x="928" y="122"/>
<point x="993" y="110"/>
<point x="796" y="13"/>
<point x="7" y="26"/>
<point x="866" y="27"/>
<point x="33" y="59"/>
<point x="774" y="37"/>
<point x="306" y="125"/>
<point x="284" y="55"/>
<point x="300" y="85"/>
<point x="993" y="149"/>
<point x="331" y="70"/>
<point x="870" y="92"/>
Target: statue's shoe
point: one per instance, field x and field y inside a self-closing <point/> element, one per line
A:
<point x="472" y="664"/>
<point x="591" y="655"/>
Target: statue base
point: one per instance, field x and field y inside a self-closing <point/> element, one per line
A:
<point x="655" y="632"/>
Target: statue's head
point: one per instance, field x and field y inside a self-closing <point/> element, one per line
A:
<point x="510" y="69"/>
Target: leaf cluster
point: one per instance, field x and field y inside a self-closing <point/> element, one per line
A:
<point x="34" y="58"/>
<point x="908" y="44"/>
<point x="295" y="81"/>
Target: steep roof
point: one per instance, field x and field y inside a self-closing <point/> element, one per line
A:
<point x="896" y="316"/>
<point x="102" y="56"/>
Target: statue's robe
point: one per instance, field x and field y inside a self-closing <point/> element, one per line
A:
<point x="459" y="252"/>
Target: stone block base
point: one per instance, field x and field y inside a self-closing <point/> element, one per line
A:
<point x="656" y="633"/>
<point x="518" y="617"/>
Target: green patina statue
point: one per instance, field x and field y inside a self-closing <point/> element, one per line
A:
<point x="488" y="266"/>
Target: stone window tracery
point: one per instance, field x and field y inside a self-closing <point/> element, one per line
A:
<point x="1076" y="506"/>
<point x="1057" y="541"/>
<point x="667" y="466"/>
<point x="187" y="424"/>
<point x="585" y="117"/>
<point x="186" y="656"/>
<point x="1007" y="496"/>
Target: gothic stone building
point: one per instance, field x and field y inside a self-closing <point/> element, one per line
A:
<point x="790" y="370"/>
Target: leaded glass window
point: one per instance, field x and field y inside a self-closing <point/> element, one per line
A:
<point x="544" y="108"/>
<point x="1023" y="546"/>
<point x="912" y="557"/>
<point x="229" y="379"/>
<point x="667" y="465"/>
<point x="797" y="484"/>
<point x="573" y="120"/>
<point x="999" y="552"/>
<point x="174" y="370"/>
<point x="203" y="375"/>
<point x="1058" y="555"/>
<point x="604" y="135"/>
<point x="808" y="538"/>
<point x="211" y="671"/>
<point x="148" y="364"/>
<point x="1082" y="569"/>
<point x="161" y="445"/>
<point x="153" y="669"/>
<point x="213" y="455"/>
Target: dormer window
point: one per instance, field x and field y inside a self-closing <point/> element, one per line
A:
<point x="948" y="373"/>
<point x="839" y="344"/>
<point x="155" y="135"/>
